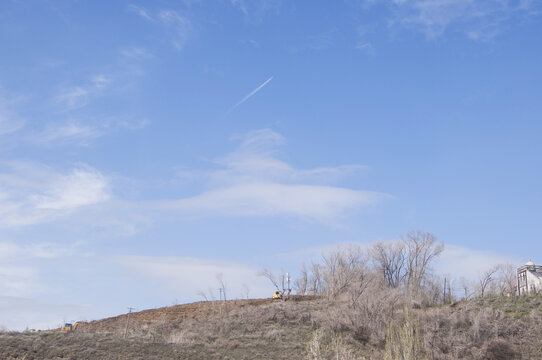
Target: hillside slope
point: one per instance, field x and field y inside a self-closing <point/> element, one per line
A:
<point x="304" y="327"/>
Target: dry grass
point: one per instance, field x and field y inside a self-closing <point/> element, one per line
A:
<point x="488" y="329"/>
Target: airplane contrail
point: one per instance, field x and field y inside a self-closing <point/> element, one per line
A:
<point x="251" y="93"/>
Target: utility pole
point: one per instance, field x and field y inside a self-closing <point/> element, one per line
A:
<point x="127" y="321"/>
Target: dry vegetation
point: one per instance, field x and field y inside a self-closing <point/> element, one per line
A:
<point x="380" y="304"/>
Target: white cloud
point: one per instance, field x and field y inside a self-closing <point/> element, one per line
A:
<point x="252" y="181"/>
<point x="31" y="193"/>
<point x="256" y="159"/>
<point x="269" y="199"/>
<point x="83" y="186"/>
<point x="479" y="20"/>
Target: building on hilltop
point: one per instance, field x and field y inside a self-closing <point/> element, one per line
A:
<point x="529" y="278"/>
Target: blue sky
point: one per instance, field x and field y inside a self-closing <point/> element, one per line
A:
<point x="147" y="146"/>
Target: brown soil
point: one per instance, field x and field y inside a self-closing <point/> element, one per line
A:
<point x="178" y="313"/>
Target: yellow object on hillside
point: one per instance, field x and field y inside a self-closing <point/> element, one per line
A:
<point x="69" y="327"/>
<point x="277" y="295"/>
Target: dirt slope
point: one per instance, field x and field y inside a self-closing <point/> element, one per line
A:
<point x="197" y="311"/>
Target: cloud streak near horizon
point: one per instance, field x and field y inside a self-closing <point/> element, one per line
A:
<point x="253" y="181"/>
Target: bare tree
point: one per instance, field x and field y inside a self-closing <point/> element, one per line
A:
<point x="341" y="268"/>
<point x="203" y="295"/>
<point x="315" y="279"/>
<point x="246" y="290"/>
<point x="506" y="279"/>
<point x="485" y="280"/>
<point x="390" y="261"/>
<point x="467" y="287"/>
<point x="302" y="282"/>
<point x="422" y="249"/>
<point x="268" y="274"/>
<point x="360" y="284"/>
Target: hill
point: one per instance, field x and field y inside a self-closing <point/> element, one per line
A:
<point x="302" y="328"/>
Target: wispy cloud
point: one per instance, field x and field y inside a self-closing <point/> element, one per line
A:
<point x="35" y="250"/>
<point x="9" y="120"/>
<point x="77" y="97"/>
<point x="100" y="81"/>
<point x="137" y="53"/>
<point x="141" y="11"/>
<point x="179" y="25"/>
<point x="250" y="42"/>
<point x="254" y="182"/>
<point x="252" y="93"/>
<point x="478" y="20"/>
<point x="75" y="102"/>
<point x="254" y="10"/>
<point x="78" y="132"/>
<point x="69" y="131"/>
<point x="73" y="98"/>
